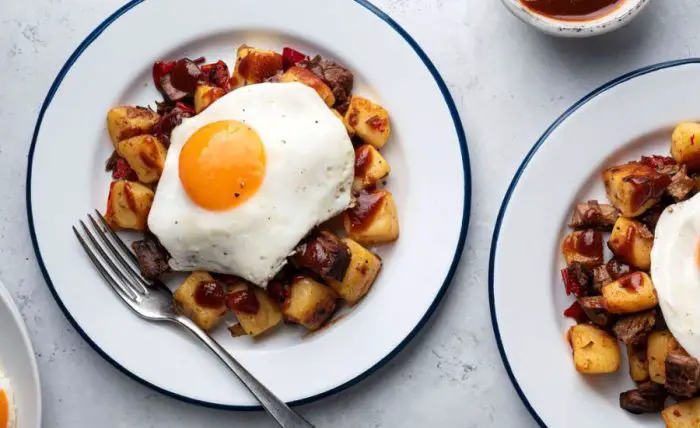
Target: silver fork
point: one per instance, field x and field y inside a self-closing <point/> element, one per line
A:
<point x="153" y="301"/>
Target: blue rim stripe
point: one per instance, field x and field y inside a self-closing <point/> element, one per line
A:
<point x="506" y="199"/>
<point x="448" y="279"/>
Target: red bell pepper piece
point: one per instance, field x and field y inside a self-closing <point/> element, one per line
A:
<point x="576" y="312"/>
<point x="291" y="57"/>
<point x="571" y="285"/>
<point x="160" y="69"/>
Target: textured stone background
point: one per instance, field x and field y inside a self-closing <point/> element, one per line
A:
<point x="509" y="82"/>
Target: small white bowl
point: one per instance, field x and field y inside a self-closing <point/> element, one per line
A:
<point x="561" y="28"/>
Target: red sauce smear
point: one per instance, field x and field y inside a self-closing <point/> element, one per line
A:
<point x="363" y="158"/>
<point x="278" y="290"/>
<point x="588" y="243"/>
<point x="572" y="10"/>
<point x="631" y="282"/>
<point x="367" y="203"/>
<point x="646" y="188"/>
<point x="243" y="301"/>
<point x="209" y="294"/>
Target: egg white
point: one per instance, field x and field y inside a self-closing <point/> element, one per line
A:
<point x="6" y="386"/>
<point x="308" y="178"/>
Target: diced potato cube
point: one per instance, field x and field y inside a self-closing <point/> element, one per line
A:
<point x="308" y="78"/>
<point x="255" y="66"/>
<point x="633" y="292"/>
<point x="360" y="275"/>
<point x="205" y="317"/>
<point x="128" y="205"/>
<point x="685" y="145"/>
<point x="146" y="156"/>
<point x="269" y="314"/>
<point x="370" y="167"/>
<point x="639" y="366"/>
<point x="369" y="120"/>
<point x="659" y="344"/>
<point x="205" y="95"/>
<point x="310" y="303"/>
<point x="126" y="121"/>
<point x="633" y="188"/>
<point x="351" y="132"/>
<point x="685" y="414"/>
<point x="373" y="218"/>
<point x="595" y="351"/>
<point x="583" y="246"/>
<point x="631" y="242"/>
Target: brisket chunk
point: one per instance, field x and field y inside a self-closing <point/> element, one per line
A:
<point x="595" y="310"/>
<point x="324" y="254"/>
<point x="337" y="77"/>
<point x="682" y="374"/>
<point x="649" y="397"/>
<point x="152" y="257"/>
<point x="578" y="280"/>
<point x="593" y="215"/>
<point x="634" y="330"/>
<point x="681" y="185"/>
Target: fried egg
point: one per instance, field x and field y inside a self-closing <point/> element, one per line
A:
<point x="246" y="179"/>
<point x="7" y="405"/>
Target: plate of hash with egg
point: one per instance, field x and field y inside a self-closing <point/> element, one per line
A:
<point x="298" y="177"/>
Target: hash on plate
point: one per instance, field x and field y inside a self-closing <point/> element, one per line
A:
<point x="265" y="185"/>
<point x="645" y="298"/>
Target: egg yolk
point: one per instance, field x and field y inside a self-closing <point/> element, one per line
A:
<point x="4" y="409"/>
<point x="222" y="165"/>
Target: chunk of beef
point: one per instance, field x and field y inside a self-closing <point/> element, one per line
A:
<point x="595" y="310"/>
<point x="634" y="330"/>
<point x="681" y="185"/>
<point x="663" y="164"/>
<point x="649" y="397"/>
<point x="651" y="216"/>
<point x="337" y="77"/>
<point x="152" y="257"/>
<point x="618" y="269"/>
<point x="682" y="374"/>
<point x="601" y="277"/>
<point x="324" y="254"/>
<point x="594" y="215"/>
<point x="578" y="280"/>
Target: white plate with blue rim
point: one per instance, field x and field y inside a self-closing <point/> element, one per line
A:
<point x="430" y="181"/>
<point x="631" y="116"/>
<point x="18" y="366"/>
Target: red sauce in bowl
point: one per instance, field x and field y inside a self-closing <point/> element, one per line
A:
<point x="572" y="10"/>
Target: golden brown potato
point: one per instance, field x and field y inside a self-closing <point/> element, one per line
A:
<point x="204" y="95"/>
<point x="360" y="275"/>
<point x="370" y="167"/>
<point x="372" y="219"/>
<point x="127" y="121"/>
<point x="268" y="316"/>
<point x="146" y="156"/>
<point x="633" y="292"/>
<point x="128" y="205"/>
<point x="583" y="246"/>
<point x="659" y="344"/>
<point x="685" y="145"/>
<point x="369" y="120"/>
<point x="685" y="414"/>
<point x="639" y="366"/>
<point x="308" y="78"/>
<point x="309" y="303"/>
<point x="351" y="132"/>
<point x="255" y="66"/>
<point x="207" y="315"/>
<point x="634" y="187"/>
<point x="631" y="242"/>
<point x="595" y="351"/>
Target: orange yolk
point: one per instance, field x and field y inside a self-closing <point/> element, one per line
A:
<point x="222" y="165"/>
<point x="4" y="409"/>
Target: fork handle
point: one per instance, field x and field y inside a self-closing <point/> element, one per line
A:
<point x="285" y="416"/>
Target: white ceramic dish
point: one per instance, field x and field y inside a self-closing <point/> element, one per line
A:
<point x="18" y="362"/>
<point x="620" y="17"/>
<point x="66" y="180"/>
<point x="630" y="116"/>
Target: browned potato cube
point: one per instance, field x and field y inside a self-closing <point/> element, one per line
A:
<point x="633" y="292"/>
<point x="128" y="205"/>
<point x="369" y="120"/>
<point x="595" y="351"/>
<point x="631" y="242"/>
<point x="308" y="78"/>
<point x="659" y="344"/>
<point x="268" y="316"/>
<point x="351" y="132"/>
<point x="370" y="167"/>
<point x="634" y="187"/>
<point x="146" y="156"/>
<point x="685" y="145"/>
<point x="639" y="366"/>
<point x="583" y="246"/>
<point x="309" y="303"/>
<point x="127" y="121"/>
<point x="372" y="219"/>
<point x="204" y="95"/>
<point x="206" y="316"/>
<point x="360" y="275"/>
<point x="255" y="66"/>
<point x="685" y="414"/>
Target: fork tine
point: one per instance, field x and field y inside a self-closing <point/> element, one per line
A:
<point x="122" y="292"/>
<point x="138" y="282"/>
<point x="116" y="238"/>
